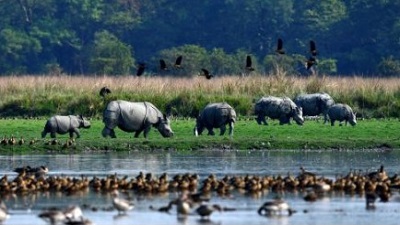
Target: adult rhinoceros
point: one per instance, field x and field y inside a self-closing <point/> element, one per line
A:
<point x="134" y="117"/>
<point x="65" y="124"/>
<point x="315" y="104"/>
<point x="278" y="108"/>
<point x="216" y="115"/>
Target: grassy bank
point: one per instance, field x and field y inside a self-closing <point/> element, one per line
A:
<point x="368" y="134"/>
<point x="32" y="96"/>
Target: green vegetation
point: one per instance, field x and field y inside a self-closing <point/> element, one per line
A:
<point x="248" y="135"/>
<point x="71" y="37"/>
<point x="33" y="96"/>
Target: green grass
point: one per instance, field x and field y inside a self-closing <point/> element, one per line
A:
<point x="248" y="135"/>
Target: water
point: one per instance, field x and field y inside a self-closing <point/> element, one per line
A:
<point x="332" y="209"/>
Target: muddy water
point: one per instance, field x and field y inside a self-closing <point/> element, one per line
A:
<point x="332" y="209"/>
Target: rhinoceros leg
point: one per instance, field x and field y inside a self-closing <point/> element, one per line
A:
<point x="146" y="130"/>
<point x="332" y="122"/>
<point x="210" y="131"/>
<point x="108" y="132"/>
<point x="44" y="133"/>
<point x="231" y="126"/>
<point x="282" y="120"/>
<point x="76" y="131"/>
<point x="137" y="133"/>
<point x="53" y="134"/>
<point x="222" y="130"/>
<point x="261" y="119"/>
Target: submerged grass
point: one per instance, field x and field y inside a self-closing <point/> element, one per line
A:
<point x="248" y="135"/>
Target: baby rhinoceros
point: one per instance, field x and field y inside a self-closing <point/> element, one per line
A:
<point x="216" y="115"/>
<point x="342" y="112"/>
<point x="65" y="124"/>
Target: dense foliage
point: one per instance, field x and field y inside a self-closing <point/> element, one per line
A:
<point x="109" y="37"/>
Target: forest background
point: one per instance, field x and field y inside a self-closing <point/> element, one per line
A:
<point x="97" y="37"/>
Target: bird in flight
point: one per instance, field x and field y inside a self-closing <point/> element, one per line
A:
<point x="178" y="62"/>
<point x="279" y="48"/>
<point x="249" y="64"/>
<point x="163" y="65"/>
<point x="140" y="69"/>
<point x="206" y="73"/>
<point x="313" y="48"/>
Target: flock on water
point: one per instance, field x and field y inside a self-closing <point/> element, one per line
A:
<point x="194" y="195"/>
<point x="163" y="66"/>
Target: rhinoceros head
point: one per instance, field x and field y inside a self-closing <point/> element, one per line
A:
<point x="352" y="119"/>
<point x="164" y="126"/>
<point x="84" y="123"/>
<point x="298" y="115"/>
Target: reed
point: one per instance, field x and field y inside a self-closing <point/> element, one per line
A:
<point x="46" y="94"/>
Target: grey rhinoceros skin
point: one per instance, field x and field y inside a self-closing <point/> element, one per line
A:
<point x="216" y="115"/>
<point x="315" y="104"/>
<point x="65" y="124"/>
<point x="134" y="117"/>
<point x="278" y="108"/>
<point x="341" y="112"/>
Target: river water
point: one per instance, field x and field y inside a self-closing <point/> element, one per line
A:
<point x="332" y="209"/>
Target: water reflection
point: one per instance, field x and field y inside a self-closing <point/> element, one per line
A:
<point x="333" y="208"/>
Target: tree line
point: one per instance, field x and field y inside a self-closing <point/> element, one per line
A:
<point x="114" y="37"/>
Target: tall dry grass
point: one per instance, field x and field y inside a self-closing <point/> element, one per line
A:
<point x="71" y="94"/>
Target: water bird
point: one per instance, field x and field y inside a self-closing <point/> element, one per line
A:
<point x="73" y="213"/>
<point x="178" y="62"/>
<point x="3" y="212"/>
<point x="206" y="73"/>
<point x="21" y="141"/>
<point x="79" y="222"/>
<point x="379" y="175"/>
<point x="313" y="48"/>
<point x="36" y="171"/>
<point x="120" y="204"/>
<point x="140" y="70"/>
<point x="279" y="48"/>
<point x="370" y="198"/>
<point x="53" y="216"/>
<point x="12" y="140"/>
<point x="4" y="140"/>
<point x="104" y="91"/>
<point x="274" y="207"/>
<point x="163" y="65"/>
<point x="249" y="64"/>
<point x="205" y="210"/>
<point x="310" y="197"/>
<point x="183" y="205"/>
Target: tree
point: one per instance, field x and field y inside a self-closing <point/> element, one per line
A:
<point x="109" y="55"/>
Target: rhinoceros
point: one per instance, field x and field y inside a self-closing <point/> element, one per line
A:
<point x="216" y="115"/>
<point x="315" y="104"/>
<point x="134" y="117"/>
<point x="278" y="108"/>
<point x="64" y="124"/>
<point x="341" y="112"/>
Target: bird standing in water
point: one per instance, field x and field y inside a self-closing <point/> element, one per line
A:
<point x="120" y="204"/>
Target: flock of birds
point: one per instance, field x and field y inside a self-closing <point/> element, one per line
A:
<point x="194" y="194"/>
<point x="310" y="62"/>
